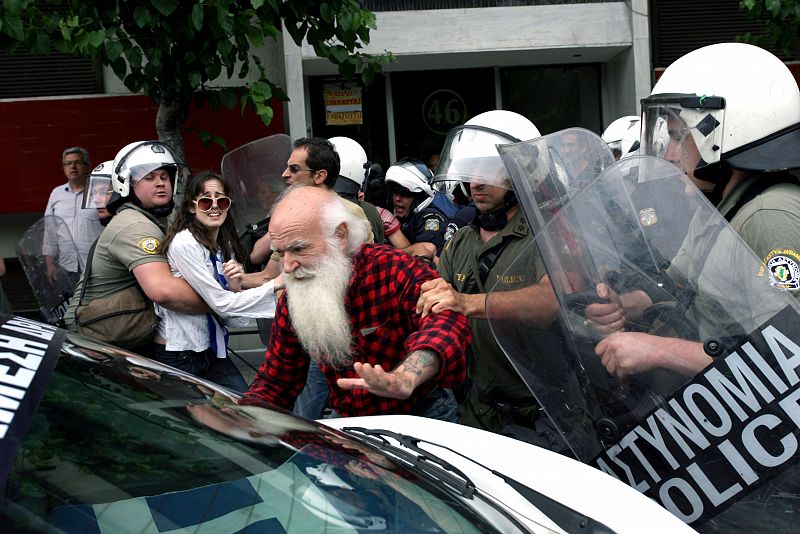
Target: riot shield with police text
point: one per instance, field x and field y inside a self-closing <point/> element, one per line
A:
<point x="678" y="370"/>
<point x="51" y="276"/>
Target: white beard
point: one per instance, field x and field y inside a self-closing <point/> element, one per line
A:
<point x="315" y="297"/>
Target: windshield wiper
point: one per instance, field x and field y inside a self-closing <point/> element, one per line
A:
<point x="424" y="461"/>
<point x="562" y="515"/>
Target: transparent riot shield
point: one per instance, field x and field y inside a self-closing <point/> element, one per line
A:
<point x="52" y="270"/>
<point x="692" y="396"/>
<point x="254" y="171"/>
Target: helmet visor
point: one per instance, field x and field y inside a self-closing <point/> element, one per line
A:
<point x="140" y="171"/>
<point x="97" y="192"/>
<point x="470" y="156"/>
<point x="683" y="129"/>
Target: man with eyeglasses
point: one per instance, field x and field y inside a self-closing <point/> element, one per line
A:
<point x="67" y="241"/>
<point x="313" y="162"/>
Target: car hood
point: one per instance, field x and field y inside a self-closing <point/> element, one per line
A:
<point x="573" y="484"/>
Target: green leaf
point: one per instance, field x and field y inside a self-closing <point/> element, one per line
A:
<point x="257" y="3"/>
<point x="225" y="20"/>
<point x="225" y="48"/>
<point x="213" y="70"/>
<point x="339" y="54"/>
<point x="327" y="13"/>
<point x="773" y="6"/>
<point x="220" y="141"/>
<point x="266" y="115"/>
<point x="197" y="17"/>
<point x="113" y="50"/>
<point x="134" y="56"/>
<point x="97" y="38"/>
<point x="14" y="28"/>
<point x="255" y="36"/>
<point x="195" y="79"/>
<point x="120" y="67"/>
<point x="41" y="44"/>
<point x="141" y="16"/>
<point x="165" y="7"/>
<point x="244" y="70"/>
<point x="228" y="98"/>
<point x="132" y="83"/>
<point x="345" y="20"/>
<point x="262" y="90"/>
<point x="81" y="40"/>
<point x="155" y="56"/>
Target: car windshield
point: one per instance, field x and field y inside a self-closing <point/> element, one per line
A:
<point x="121" y="444"/>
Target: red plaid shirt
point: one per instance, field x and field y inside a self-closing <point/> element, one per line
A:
<point x="381" y="300"/>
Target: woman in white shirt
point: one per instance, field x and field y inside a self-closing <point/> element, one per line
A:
<point x="202" y="247"/>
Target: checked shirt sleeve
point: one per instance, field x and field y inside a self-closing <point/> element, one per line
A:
<point x="447" y="333"/>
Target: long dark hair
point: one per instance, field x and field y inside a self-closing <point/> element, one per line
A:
<point x="227" y="238"/>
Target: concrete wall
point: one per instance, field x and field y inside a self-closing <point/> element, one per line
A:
<point x="611" y="34"/>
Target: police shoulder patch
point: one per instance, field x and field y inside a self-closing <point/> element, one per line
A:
<point x="433" y="224"/>
<point x="783" y="267"/>
<point x="148" y="245"/>
<point x="450" y="231"/>
<point x="648" y="216"/>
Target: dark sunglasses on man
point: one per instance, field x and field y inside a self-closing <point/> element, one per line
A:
<point x="294" y="169"/>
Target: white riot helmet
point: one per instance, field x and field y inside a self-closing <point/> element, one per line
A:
<point x="133" y="163"/>
<point x="469" y="153"/>
<point x="735" y="102"/>
<point x="413" y="176"/>
<point x="138" y="159"/>
<point x="98" y="190"/>
<point x="353" y="165"/>
<point x="622" y="136"/>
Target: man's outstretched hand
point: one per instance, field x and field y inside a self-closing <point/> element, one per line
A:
<point x="379" y="382"/>
<point x="400" y="383"/>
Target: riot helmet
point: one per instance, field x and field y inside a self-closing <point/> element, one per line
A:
<point x="622" y="136"/>
<point x="353" y="166"/>
<point x="469" y="153"/>
<point x="721" y="107"/>
<point x="411" y="176"/>
<point x="98" y="191"/>
<point x="134" y="162"/>
<point x="470" y="156"/>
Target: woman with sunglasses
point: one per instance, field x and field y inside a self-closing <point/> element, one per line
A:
<point x="202" y="247"/>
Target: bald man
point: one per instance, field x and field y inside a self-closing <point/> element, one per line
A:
<point x="350" y="308"/>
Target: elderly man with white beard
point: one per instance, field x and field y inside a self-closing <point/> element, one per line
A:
<point x="350" y="307"/>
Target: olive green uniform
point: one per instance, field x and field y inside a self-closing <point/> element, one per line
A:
<point x="375" y="222"/>
<point x="498" y="396"/>
<point x="130" y="239"/>
<point x="770" y="224"/>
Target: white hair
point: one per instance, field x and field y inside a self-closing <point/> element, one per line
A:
<point x="334" y="213"/>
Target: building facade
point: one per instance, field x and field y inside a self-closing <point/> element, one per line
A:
<point x="561" y="64"/>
